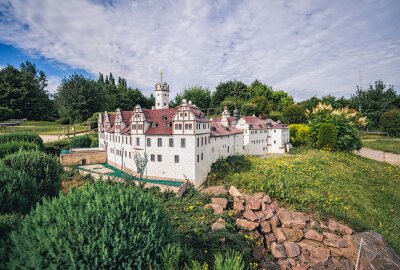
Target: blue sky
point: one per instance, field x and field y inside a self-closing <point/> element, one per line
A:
<point x="304" y="47"/>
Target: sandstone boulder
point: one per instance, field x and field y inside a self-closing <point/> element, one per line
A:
<point x="221" y="201"/>
<point x="274" y="221"/>
<point x="267" y="199"/>
<point x="234" y="192"/>
<point x="246" y="224"/>
<point x="334" y="226"/>
<point x="216" y="207"/>
<point x="253" y="203"/>
<point x="293" y="235"/>
<point x="278" y="250"/>
<point x="280" y="236"/>
<point x="238" y="205"/>
<point x="259" y="253"/>
<point x="375" y="252"/>
<point x="313" y="235"/>
<point x="265" y="227"/>
<point x="215" y="191"/>
<point x="248" y="214"/>
<point x="319" y="255"/>
<point x="292" y="249"/>
<point x="334" y="240"/>
<point x="269" y="239"/>
<point x="216" y="226"/>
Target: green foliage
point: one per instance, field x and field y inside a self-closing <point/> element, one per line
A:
<point x="23" y="91"/>
<point x="6" y="113"/>
<point x="63" y="121"/>
<point x="231" y="261"/>
<point x="300" y="134"/>
<point x="198" y="95"/>
<point x="119" y="225"/>
<point x="294" y="114"/>
<point x="361" y="192"/>
<point x="249" y="109"/>
<point x="172" y="257"/>
<point x="14" y="146"/>
<point x="94" y="143"/>
<point x="8" y="222"/>
<point x="391" y="122"/>
<point x="18" y="192"/>
<point x="226" y="89"/>
<point x="275" y="115"/>
<point x="41" y="168"/>
<point x="327" y="136"/>
<point x="54" y="148"/>
<point x="22" y="137"/>
<point x="80" y="142"/>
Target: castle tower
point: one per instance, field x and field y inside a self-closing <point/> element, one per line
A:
<point x="235" y="116"/>
<point x="162" y="96"/>
<point x="225" y="117"/>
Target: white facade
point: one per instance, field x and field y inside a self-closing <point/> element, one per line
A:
<point x="181" y="143"/>
<point x="162" y="96"/>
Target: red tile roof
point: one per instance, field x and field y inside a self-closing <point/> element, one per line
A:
<point x="217" y="129"/>
<point x="111" y="129"/>
<point x="158" y="126"/>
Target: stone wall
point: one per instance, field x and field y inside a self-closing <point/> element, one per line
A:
<point x="81" y="157"/>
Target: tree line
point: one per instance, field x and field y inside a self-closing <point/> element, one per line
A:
<point x="23" y="95"/>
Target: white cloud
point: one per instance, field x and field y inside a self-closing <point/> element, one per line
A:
<point x="304" y="47"/>
<point x="52" y="83"/>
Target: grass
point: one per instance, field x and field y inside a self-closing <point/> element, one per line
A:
<point x="360" y="192"/>
<point x="387" y="145"/>
<point x="42" y="128"/>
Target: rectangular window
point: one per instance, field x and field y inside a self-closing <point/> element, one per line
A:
<point x="133" y="127"/>
<point x="201" y="156"/>
<point x="198" y="158"/>
<point x="152" y="157"/>
<point x="138" y="141"/>
<point x="176" y="159"/>
<point x="159" y="140"/>
<point x="130" y="155"/>
<point x="202" y="140"/>
<point x="149" y="142"/>
<point x="159" y="158"/>
<point x="183" y="143"/>
<point x="198" y="142"/>
<point x="171" y="142"/>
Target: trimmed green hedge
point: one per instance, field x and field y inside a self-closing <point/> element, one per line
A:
<point x="14" y="146"/>
<point x="80" y="142"/>
<point x="54" y="148"/>
<point x="327" y="136"/>
<point x="43" y="169"/>
<point x="18" y="193"/>
<point x="390" y="122"/>
<point x="100" y="226"/>
<point x="22" y="137"/>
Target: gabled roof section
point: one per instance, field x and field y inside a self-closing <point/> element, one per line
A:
<point x="161" y="121"/>
<point x="217" y="129"/>
<point x="200" y="116"/>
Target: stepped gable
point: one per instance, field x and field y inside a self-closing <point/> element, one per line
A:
<point x="159" y="126"/>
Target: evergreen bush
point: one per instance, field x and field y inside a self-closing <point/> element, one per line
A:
<point x="22" y="137"/>
<point x="99" y="226"/>
<point x="80" y="142"/>
<point x="391" y="122"/>
<point x="18" y="193"/>
<point x="54" y="148"/>
<point x="6" y="113"/>
<point x="300" y="134"/>
<point x="327" y="136"/>
<point x="42" y="168"/>
<point x="14" y="146"/>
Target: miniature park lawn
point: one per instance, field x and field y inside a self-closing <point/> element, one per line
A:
<point x="361" y="192"/>
<point x="387" y="145"/>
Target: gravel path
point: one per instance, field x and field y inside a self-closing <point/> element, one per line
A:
<point x="380" y="156"/>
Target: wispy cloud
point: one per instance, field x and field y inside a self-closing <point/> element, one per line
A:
<point x="304" y="47"/>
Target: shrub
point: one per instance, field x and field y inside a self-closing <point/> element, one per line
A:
<point x="63" y="121"/>
<point x="327" y="136"/>
<point x="95" y="142"/>
<point x="17" y="191"/>
<point x="99" y="226"/>
<point x="80" y="142"/>
<point x="300" y="134"/>
<point x="391" y="122"/>
<point x="6" y="113"/>
<point x="44" y="169"/>
<point x="12" y="147"/>
<point x="22" y="137"/>
<point x="54" y="148"/>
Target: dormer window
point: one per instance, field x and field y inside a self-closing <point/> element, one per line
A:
<point x="164" y="118"/>
<point x="153" y="125"/>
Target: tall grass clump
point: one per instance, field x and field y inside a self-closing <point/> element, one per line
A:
<point x="99" y="226"/>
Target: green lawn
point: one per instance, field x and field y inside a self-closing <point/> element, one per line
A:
<point x="360" y="192"/>
<point x="42" y="128"/>
<point x="387" y="145"/>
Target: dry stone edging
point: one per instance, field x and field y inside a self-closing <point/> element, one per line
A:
<point x="295" y="239"/>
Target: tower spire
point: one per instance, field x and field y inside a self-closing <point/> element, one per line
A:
<point x="161" y="73"/>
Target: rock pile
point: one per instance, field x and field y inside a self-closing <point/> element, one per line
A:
<point x="296" y="240"/>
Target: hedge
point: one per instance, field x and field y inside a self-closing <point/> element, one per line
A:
<point x="43" y="169"/>
<point x="390" y="122"/>
<point x="14" y="146"/>
<point x="80" y="142"/>
<point x="300" y="134"/>
<point x="22" y="137"/>
<point x="327" y="136"/>
<point x="99" y="226"/>
<point x="18" y="193"/>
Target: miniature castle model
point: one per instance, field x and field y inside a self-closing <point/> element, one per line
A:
<point x="182" y="143"/>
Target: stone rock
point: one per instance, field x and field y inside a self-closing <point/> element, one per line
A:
<point x="215" y="191"/>
<point x="265" y="227"/>
<point x="278" y="250"/>
<point x="270" y="265"/>
<point x="344" y="264"/>
<point x="268" y="214"/>
<point x="269" y="239"/>
<point x="375" y="252"/>
<point x="291" y="219"/>
<point x="267" y="199"/>
<point x="334" y="226"/>
<point x="234" y="192"/>
<point x="253" y="203"/>
<point x="248" y="225"/>
<point x="258" y="237"/>
<point x="300" y="267"/>
<point x="319" y="255"/>
<point x="221" y="220"/>
<point x="216" y="207"/>
<point x="248" y="214"/>
<point x="221" y="201"/>
<point x="259" y="195"/>
<point x="259" y="253"/>
<point x="313" y="235"/>
<point x="216" y="226"/>
<point x="292" y="249"/>
<point x="333" y="240"/>
<point x="260" y="216"/>
<point x="280" y="236"/>
<point x="274" y="221"/>
<point x="293" y="235"/>
<point x="238" y="205"/>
